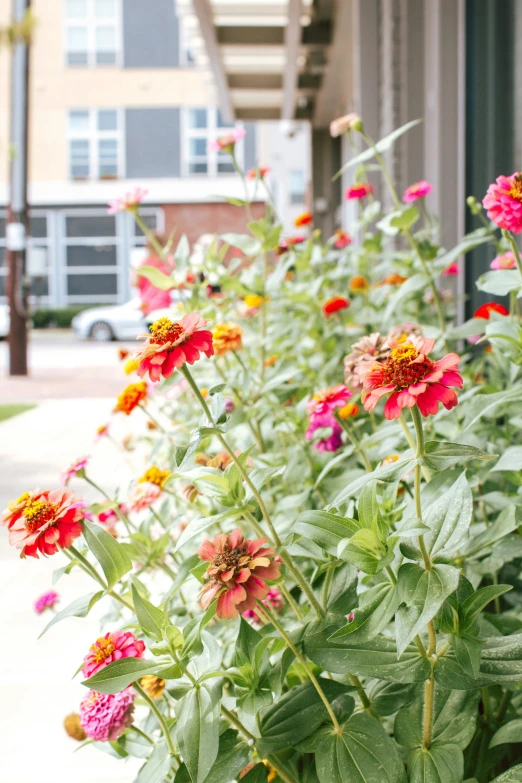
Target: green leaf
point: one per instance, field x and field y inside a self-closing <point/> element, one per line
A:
<point x="156" y="277"/>
<point x="505" y="523"/>
<point x="296" y="715"/>
<point x="112" y="557"/>
<point x="381" y="146"/>
<point x="441" y="455"/>
<point x="391" y="472"/>
<point x="120" y="674"/>
<point x="400" y="220"/>
<point x="325" y="529"/>
<point x="151" y="619"/>
<point x="375" y="658"/>
<point x="476" y="602"/>
<point x="257" y="774"/>
<point x="511" y="459"/>
<point x="421" y="593"/>
<point x="442" y="763"/>
<point x="500" y="282"/>
<point x="467" y="652"/>
<point x="482" y="404"/>
<point x="454" y="718"/>
<point x="363" y="753"/>
<point x="156" y="769"/>
<point x="377" y="608"/>
<point x="513" y="775"/>
<point x="511" y="732"/>
<point x="198" y="729"/>
<point x="199" y="524"/>
<point x="365" y="551"/>
<point x="386" y="698"/>
<point x="501" y="663"/>
<point x="416" y="282"/>
<point x="233" y="756"/>
<point x="247" y="244"/>
<point x="79" y="608"/>
<point x="470" y="241"/>
<point x="449" y="518"/>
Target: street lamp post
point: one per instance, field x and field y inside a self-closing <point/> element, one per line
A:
<point x="17" y="216"/>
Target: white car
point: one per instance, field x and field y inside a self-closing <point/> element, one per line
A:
<point x="4" y="321"/>
<point x="115" y="322"/>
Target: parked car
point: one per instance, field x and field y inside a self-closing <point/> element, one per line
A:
<point x="4" y="321"/>
<point x="115" y="322"/>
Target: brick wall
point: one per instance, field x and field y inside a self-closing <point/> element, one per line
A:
<point x="217" y="218"/>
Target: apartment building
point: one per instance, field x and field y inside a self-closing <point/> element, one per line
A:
<point x="115" y="102"/>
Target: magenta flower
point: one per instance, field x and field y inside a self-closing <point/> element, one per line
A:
<point x="108" y="517"/>
<point x="359" y="191"/>
<point x="416" y="191"/>
<point x="129" y="203"/>
<point x="77" y="468"/>
<point x="451" y="271"/>
<point x="46" y="601"/>
<point x="104" y="716"/>
<point x="328" y="400"/>
<point x="503" y="202"/>
<point x="228" y="142"/>
<point x="111" y="647"/>
<point x="273" y="600"/>
<point x="326" y="420"/>
<point x="504" y="261"/>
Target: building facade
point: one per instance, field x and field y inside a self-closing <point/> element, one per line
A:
<point x="114" y="102"/>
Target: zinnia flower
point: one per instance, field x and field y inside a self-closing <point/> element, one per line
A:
<point x="153" y="685"/>
<point x="171" y="344"/>
<point x="253" y="300"/>
<point x="303" y="219"/>
<point x="503" y="202"/>
<point x="393" y="279"/>
<point x="130" y="366"/>
<point x="228" y="142"/>
<point x="359" y="191"/>
<point x="102" y="431"/>
<point x="349" y="410"/>
<point x="326" y="421"/>
<point x="141" y="497"/>
<point x="504" y="261"/>
<point x="320" y="412"/>
<point x="46" y="601"/>
<point x="132" y="396"/>
<point x="236" y="573"/>
<point x="259" y="173"/>
<point x="328" y="399"/>
<point x="76" y="469"/>
<point x="123" y="353"/>
<point x="226" y="337"/>
<point x="451" y="271"/>
<point x="348" y="122"/>
<point x="42" y="521"/>
<point x="108" y="517"/>
<point x="358" y="283"/>
<point x="155" y="475"/>
<point x="410" y="378"/>
<point x="485" y="310"/>
<point x="374" y="346"/>
<point x="273" y="600"/>
<point x="334" y="304"/>
<point x="73" y="727"/>
<point x="129" y="203"/>
<point x="111" y="647"/>
<point x="416" y="191"/>
<point x="104" y="716"/>
<point x="341" y="239"/>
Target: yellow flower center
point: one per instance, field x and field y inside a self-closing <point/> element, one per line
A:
<point x="516" y="188"/>
<point x="165" y="331"/>
<point x="155" y="476"/>
<point x="102" y="649"/>
<point x="401" y="367"/>
<point x="19" y="501"/>
<point x="37" y="513"/>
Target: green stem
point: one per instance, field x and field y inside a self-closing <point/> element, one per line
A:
<point x="354" y="441"/>
<point x="275" y="538"/>
<point x="486" y="704"/>
<point x="326" y="587"/>
<point x="504" y="704"/>
<point x="159" y="717"/>
<point x="417" y="420"/>
<point x="391" y="575"/>
<point x="153" y="419"/>
<point x="429" y="689"/>
<point x="123" y="517"/>
<point x="89" y="569"/>
<point x="365" y="701"/>
<point x="514" y="247"/>
<point x="277" y="625"/>
<point x="148" y="233"/>
<point x="411" y="442"/>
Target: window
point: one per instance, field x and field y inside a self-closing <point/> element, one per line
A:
<point x="91" y="257"/>
<point x="200" y="127"/>
<point x="95" y="144"/>
<point x="92" y="32"/>
<point x="37" y="258"/>
<point x="297" y="186"/>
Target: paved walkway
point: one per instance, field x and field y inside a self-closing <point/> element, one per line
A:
<point x="36" y="686"/>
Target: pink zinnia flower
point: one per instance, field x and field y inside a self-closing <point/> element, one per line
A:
<point x="451" y="271"/>
<point x="171" y="344"/>
<point x="129" y="203"/>
<point x="111" y="647"/>
<point x="343" y="124"/>
<point x="327" y="400"/>
<point x="410" y="378"/>
<point x="416" y="191"/>
<point x="359" y="191"/>
<point x="273" y="600"/>
<point x="504" y="261"/>
<point x="141" y="496"/>
<point x="73" y="470"/>
<point x="228" y="142"/>
<point x="503" y="202"/>
<point x="46" y="601"/>
<point x="236" y="573"/>
<point x="325" y="421"/>
<point x="108" y="517"/>
<point x="341" y="239"/>
<point x="104" y="716"/>
<point x="259" y="173"/>
<point x="42" y="521"/>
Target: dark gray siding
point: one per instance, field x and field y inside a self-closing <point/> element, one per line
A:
<point x="150" y="34"/>
<point x="250" y="145"/>
<point x="152" y="142"/>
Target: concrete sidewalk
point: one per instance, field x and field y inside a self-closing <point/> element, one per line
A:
<point x="36" y="686"/>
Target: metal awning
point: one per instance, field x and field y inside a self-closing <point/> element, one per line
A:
<point x="265" y="59"/>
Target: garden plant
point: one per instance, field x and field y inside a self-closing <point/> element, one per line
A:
<point x="315" y="578"/>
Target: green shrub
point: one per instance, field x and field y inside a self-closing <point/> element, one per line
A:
<point x="60" y="317"/>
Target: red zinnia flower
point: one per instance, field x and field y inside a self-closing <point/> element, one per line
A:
<point x="260" y="172"/>
<point x="111" y="647"/>
<point x="484" y="311"/>
<point x="303" y="219"/>
<point x="171" y="344"/>
<point x="341" y="239"/>
<point x="42" y="521"/>
<point x="361" y="190"/>
<point x="503" y="202"/>
<point x="334" y="304"/>
<point x="416" y="191"/>
<point x="412" y="379"/>
<point x="236" y="573"/>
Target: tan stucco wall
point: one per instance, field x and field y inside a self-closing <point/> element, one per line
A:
<point x="56" y="88"/>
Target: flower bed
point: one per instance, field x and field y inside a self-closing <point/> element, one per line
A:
<point x="316" y="575"/>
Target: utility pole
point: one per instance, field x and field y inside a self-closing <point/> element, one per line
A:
<point x="17" y="216"/>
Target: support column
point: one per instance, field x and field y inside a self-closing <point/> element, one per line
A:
<point x="326" y="161"/>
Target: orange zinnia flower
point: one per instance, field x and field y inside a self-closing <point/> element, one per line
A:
<point x="171" y="344"/>
<point x="132" y="396"/>
<point x="304" y="219"/>
<point x="358" y="283"/>
<point x="226" y="337"/>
